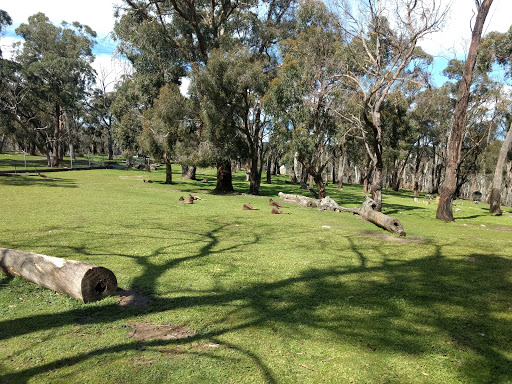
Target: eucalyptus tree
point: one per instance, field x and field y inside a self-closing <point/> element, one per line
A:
<point x="191" y="31"/>
<point x="449" y="186"/>
<point x="5" y="121"/>
<point x="5" y="20"/>
<point x="381" y="53"/>
<point x="431" y="116"/>
<point x="302" y="96"/>
<point x="56" y="68"/>
<point x="497" y="49"/>
<point x="164" y="124"/>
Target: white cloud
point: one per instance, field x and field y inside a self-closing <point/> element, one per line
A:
<point x="109" y="70"/>
<point x="455" y="37"/>
<point x="97" y="14"/>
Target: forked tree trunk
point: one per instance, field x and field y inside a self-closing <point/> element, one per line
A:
<point x="188" y="172"/>
<point x="495" y="197"/>
<point x="449" y="186"/>
<point x="224" y="178"/>
<point x="79" y="280"/>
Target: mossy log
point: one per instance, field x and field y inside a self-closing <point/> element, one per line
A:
<point x="79" y="280"/>
<point x="366" y="211"/>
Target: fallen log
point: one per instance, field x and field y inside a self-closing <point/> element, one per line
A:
<point x="79" y="280"/>
<point x="303" y="201"/>
<point x="366" y="211"/>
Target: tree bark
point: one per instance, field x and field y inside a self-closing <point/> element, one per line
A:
<point x="188" y="172"/>
<point x="224" y="178"/>
<point x="449" y="186"/>
<point x="79" y="280"/>
<point x="495" y="196"/>
<point x="255" y="175"/>
<point x="269" y="168"/>
<point x="55" y="140"/>
<point x="168" y="169"/>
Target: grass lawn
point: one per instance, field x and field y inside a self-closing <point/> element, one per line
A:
<point x="248" y="297"/>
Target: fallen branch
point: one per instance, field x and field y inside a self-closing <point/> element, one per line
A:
<point x="82" y="281"/>
<point x="366" y="211"/>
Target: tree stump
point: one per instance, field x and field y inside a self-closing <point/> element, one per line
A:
<point x="79" y="280"/>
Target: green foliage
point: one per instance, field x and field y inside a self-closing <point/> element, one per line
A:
<point x="311" y="297"/>
<point x="166" y="122"/>
<point x="300" y="97"/>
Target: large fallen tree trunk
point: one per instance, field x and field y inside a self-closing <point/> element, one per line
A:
<point x="82" y="281"/>
<point x="366" y="211"/>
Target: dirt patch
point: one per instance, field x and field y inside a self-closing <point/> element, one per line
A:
<point x="148" y="331"/>
<point x="385" y="236"/>
<point x="502" y="228"/>
<point x="132" y="298"/>
<point x="131" y="177"/>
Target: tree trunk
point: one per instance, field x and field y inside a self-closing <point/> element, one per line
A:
<point x="81" y="281"/>
<point x="449" y="186"/>
<point x="110" y="143"/>
<point x="224" y="178"/>
<point x="254" y="175"/>
<point x="495" y="196"/>
<point x="3" y="139"/>
<point x="54" y="158"/>
<point x="269" y="168"/>
<point x="376" y="187"/>
<point x="168" y="169"/>
<point x="341" y="169"/>
<point x="191" y="174"/>
<point x="188" y="172"/>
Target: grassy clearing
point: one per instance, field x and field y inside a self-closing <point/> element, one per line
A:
<point x="17" y="162"/>
<point x="250" y="297"/>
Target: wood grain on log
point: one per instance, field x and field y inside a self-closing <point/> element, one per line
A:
<point x="79" y="280"/>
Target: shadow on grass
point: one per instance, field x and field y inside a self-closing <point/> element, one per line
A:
<point x="33" y="180"/>
<point x="432" y="305"/>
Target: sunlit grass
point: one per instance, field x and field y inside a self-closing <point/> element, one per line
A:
<point x="311" y="297"/>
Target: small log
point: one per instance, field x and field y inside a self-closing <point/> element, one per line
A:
<point x="303" y="201"/>
<point x="79" y="280"/>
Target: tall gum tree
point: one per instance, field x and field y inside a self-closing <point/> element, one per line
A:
<point x="56" y="62"/>
<point x="194" y="29"/>
<point x="382" y="52"/>
<point x="302" y="96"/>
<point x="497" y="48"/>
<point x="449" y="185"/>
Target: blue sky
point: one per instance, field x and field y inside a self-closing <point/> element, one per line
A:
<point x="451" y="42"/>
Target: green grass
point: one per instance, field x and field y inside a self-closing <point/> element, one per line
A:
<point x="17" y="162"/>
<point x="311" y="297"/>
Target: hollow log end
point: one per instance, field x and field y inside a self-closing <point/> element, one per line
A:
<point x="398" y="228"/>
<point x="98" y="283"/>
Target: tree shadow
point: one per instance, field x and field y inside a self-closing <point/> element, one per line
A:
<point x="397" y="306"/>
<point x="34" y="180"/>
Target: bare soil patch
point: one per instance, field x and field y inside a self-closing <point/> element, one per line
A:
<point x="502" y="228"/>
<point x="132" y="298"/>
<point x="384" y="236"/>
<point x="148" y="331"/>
